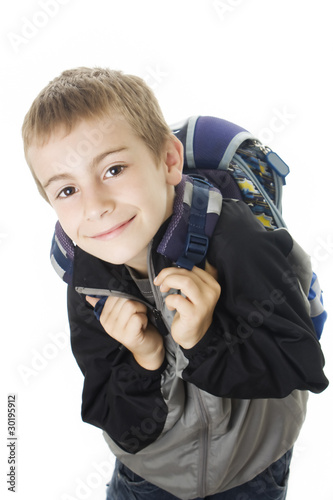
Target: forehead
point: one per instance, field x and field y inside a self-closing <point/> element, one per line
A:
<point x="83" y="142"/>
<point x="91" y="131"/>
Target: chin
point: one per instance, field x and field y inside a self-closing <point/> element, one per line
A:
<point x="124" y="254"/>
<point x="117" y="260"/>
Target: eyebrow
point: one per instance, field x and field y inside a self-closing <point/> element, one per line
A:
<point x="93" y="164"/>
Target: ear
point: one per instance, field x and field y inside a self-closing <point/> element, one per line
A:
<point x="173" y="158"/>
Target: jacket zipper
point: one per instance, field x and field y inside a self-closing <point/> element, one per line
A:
<point x="203" y="449"/>
<point x="164" y="330"/>
<point x="102" y="292"/>
<point x="201" y="407"/>
<point x="156" y="310"/>
<point x="161" y="326"/>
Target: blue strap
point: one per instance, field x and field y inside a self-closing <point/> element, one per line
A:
<point x="197" y="242"/>
<point x="317" y="310"/>
<point x="99" y="307"/>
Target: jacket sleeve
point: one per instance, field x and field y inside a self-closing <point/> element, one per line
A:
<point x="261" y="343"/>
<point x="119" y="396"/>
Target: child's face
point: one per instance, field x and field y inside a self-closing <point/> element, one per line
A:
<point x="109" y="192"/>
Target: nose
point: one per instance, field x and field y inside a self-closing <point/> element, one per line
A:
<point x="97" y="203"/>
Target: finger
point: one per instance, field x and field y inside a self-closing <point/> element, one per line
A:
<point x="197" y="285"/>
<point x="137" y="323"/>
<point x="92" y="300"/>
<point x="179" y="303"/>
<point x="129" y="326"/>
<point x="97" y="304"/>
<point x="190" y="290"/>
<point x="113" y="306"/>
<point x="180" y="279"/>
<point x="171" y="274"/>
<point x="130" y="309"/>
<point x="119" y="305"/>
<point x="211" y="270"/>
<point x="166" y="272"/>
<point x="207" y="276"/>
<point x="117" y="311"/>
<point x="107" y="311"/>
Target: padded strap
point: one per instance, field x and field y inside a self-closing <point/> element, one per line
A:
<point x="197" y="208"/>
<point x="197" y="242"/>
<point x="62" y="254"/>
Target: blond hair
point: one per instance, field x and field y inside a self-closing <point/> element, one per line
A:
<point x="88" y="93"/>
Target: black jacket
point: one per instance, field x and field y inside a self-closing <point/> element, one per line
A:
<point x="261" y="343"/>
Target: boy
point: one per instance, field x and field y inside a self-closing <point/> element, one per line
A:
<point x="188" y="413"/>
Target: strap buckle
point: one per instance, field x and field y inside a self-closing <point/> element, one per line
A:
<point x="195" y="250"/>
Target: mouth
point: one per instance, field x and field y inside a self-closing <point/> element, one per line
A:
<point x="113" y="231"/>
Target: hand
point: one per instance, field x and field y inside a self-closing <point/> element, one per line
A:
<point x="126" y="321"/>
<point x="194" y="311"/>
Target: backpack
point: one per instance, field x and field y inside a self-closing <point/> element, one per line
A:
<point x="222" y="155"/>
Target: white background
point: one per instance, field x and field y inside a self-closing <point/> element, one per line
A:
<point x="264" y="64"/>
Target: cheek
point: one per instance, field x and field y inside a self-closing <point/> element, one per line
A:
<point x="154" y="204"/>
<point x="69" y="231"/>
<point x="68" y="224"/>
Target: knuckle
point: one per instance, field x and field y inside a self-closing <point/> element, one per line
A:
<point x="187" y="280"/>
<point x="108" y="304"/>
<point x="135" y="308"/>
<point x="176" y="300"/>
<point x="135" y="323"/>
<point x="130" y="306"/>
<point x="216" y="288"/>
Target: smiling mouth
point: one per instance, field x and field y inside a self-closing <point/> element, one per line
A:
<point x="114" y="231"/>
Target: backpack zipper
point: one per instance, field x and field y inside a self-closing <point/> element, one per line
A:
<point x="276" y="214"/>
<point x="276" y="178"/>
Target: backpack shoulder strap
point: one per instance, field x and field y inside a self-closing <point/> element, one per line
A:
<point x="197" y="241"/>
<point x="209" y="143"/>
<point x="197" y="208"/>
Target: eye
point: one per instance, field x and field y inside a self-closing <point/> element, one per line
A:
<point x="114" y="171"/>
<point x="66" y="192"/>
